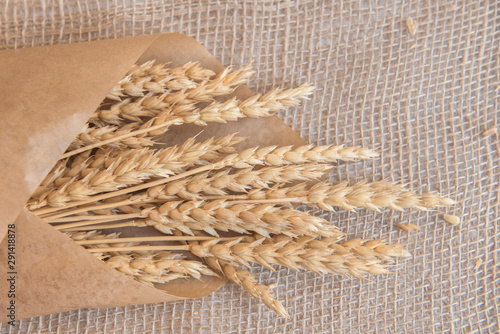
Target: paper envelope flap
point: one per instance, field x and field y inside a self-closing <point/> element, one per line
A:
<point x="54" y="274"/>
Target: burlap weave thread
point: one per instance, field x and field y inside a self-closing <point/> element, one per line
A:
<point x="424" y="101"/>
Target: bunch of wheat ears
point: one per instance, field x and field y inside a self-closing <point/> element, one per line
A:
<point x="229" y="209"/>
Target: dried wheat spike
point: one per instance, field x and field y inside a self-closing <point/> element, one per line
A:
<point x="363" y="194"/>
<point x="156" y="96"/>
<point x="287" y="155"/>
<point x="248" y="281"/>
<point x="222" y="182"/>
<point x="223" y="84"/>
<point x="125" y="110"/>
<point x="92" y="135"/>
<point x="158" y="267"/>
<point x="159" y="78"/>
<point x="353" y="257"/>
<point x="120" y="169"/>
<point x="272" y="155"/>
<point x="231" y="110"/>
<point x="57" y="172"/>
<point x="209" y="217"/>
<point x="255" y="106"/>
<point x="175" y="158"/>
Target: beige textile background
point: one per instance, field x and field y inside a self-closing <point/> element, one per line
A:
<point x="424" y="101"/>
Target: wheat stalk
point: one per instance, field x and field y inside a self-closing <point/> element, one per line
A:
<point x="225" y="216"/>
<point x="248" y="281"/>
<point x="222" y="182"/>
<point x="355" y="257"/>
<point x="214" y="216"/>
<point x="158" y="78"/>
<point x="261" y="292"/>
<point x="146" y="239"/>
<point x="126" y="168"/>
<point x="271" y="155"/>
<point x="363" y="194"/>
<point x="162" y="94"/>
<point x="159" y="267"/>
<point x="221" y="112"/>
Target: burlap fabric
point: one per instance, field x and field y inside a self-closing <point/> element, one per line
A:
<point x="429" y="102"/>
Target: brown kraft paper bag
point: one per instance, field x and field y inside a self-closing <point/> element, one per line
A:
<point x="46" y="96"/>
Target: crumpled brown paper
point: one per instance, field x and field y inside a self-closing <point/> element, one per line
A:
<point x="46" y="96"/>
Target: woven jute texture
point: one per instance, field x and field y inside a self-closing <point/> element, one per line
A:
<point x="428" y="102"/>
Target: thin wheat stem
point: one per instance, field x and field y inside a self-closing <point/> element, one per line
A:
<point x="94" y="222"/>
<point x="146" y="239"/>
<point x="54" y="218"/>
<point x="88" y="208"/>
<point x="137" y="248"/>
<point x="243" y="199"/>
<point x="103" y="227"/>
<point x="93" y="218"/>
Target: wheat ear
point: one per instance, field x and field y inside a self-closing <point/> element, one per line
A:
<point x="271" y="155"/>
<point x="158" y="78"/>
<point x="214" y="216"/>
<point x="261" y="292"/>
<point x="163" y="94"/>
<point x="363" y="194"/>
<point x="355" y="257"/>
<point x="222" y="182"/>
<point x="231" y="110"/>
<point x="159" y="267"/>
<point x="133" y="167"/>
<point x="245" y="218"/>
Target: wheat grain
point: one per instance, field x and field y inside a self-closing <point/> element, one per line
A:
<point x="412" y="26"/>
<point x="408" y="227"/>
<point x="451" y="219"/>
